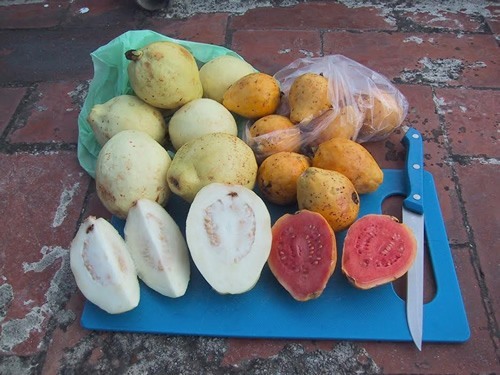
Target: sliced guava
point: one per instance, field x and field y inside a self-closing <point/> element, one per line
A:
<point x="377" y="249"/>
<point x="103" y="268"/>
<point x="228" y="232"/>
<point x="158" y="248"/>
<point x="303" y="254"/>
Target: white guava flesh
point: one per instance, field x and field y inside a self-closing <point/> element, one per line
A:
<point x="103" y="268"/>
<point x="158" y="248"/>
<point x="228" y="232"/>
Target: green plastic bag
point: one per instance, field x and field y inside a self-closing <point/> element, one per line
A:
<point x="111" y="79"/>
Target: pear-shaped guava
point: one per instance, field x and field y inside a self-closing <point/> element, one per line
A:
<point x="164" y="74"/>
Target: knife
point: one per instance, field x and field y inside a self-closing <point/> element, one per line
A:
<point x="413" y="217"/>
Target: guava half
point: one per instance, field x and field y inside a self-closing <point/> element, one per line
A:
<point x="303" y="254"/>
<point x="228" y="232"/>
<point x="377" y="249"/>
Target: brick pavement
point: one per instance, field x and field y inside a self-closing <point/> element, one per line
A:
<point x="445" y="61"/>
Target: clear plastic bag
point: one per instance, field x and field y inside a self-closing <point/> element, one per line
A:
<point x="111" y="79"/>
<point x="364" y="105"/>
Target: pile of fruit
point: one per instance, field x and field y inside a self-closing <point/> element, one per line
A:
<point x="229" y="234"/>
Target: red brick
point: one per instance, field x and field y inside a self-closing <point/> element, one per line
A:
<point x="28" y="16"/>
<point x="9" y="100"/>
<point x="271" y="54"/>
<point x="479" y="182"/>
<point x="474" y="356"/>
<point x="42" y="196"/>
<point x="313" y="16"/>
<point x="51" y="54"/>
<point x="452" y="59"/>
<point x="472" y="120"/>
<point x="203" y="28"/>
<point x="52" y="116"/>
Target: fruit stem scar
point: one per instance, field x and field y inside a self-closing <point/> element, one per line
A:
<point x="174" y="182"/>
<point x="133" y="54"/>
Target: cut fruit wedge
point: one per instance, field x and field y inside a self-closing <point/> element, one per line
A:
<point x="158" y="248"/>
<point x="103" y="268"/>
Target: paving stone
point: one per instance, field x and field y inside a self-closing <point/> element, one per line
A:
<point x="445" y="62"/>
<point x="433" y="59"/>
<point x="319" y="15"/>
<point x="271" y="54"/>
<point x="479" y="183"/>
<point x="472" y="120"/>
<point x="62" y="54"/>
<point x="42" y="196"/>
<point x="51" y="115"/>
<point x="9" y="100"/>
<point x="27" y="16"/>
<point x="203" y="28"/>
<point x="475" y="356"/>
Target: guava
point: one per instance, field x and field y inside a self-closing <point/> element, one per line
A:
<point x="131" y="166"/>
<point x="278" y="174"/>
<point x="199" y="117"/>
<point x="352" y="160"/>
<point x="271" y="134"/>
<point x="253" y="96"/>
<point x="164" y="74"/>
<point x="377" y="249"/>
<point x="329" y="193"/>
<point x="221" y="72"/>
<point x="303" y="254"/>
<point x="228" y="232"/>
<point x="126" y="112"/>
<point x="213" y="157"/>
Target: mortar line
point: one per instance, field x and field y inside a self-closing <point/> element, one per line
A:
<point x="228" y="34"/>
<point x="30" y="89"/>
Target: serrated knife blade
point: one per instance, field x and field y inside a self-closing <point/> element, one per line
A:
<point x="413" y="217"/>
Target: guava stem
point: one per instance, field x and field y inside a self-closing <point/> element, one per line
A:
<point x="133" y="54"/>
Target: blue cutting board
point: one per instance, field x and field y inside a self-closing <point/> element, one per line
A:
<point x="268" y="311"/>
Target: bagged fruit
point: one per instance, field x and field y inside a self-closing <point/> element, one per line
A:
<point x="335" y="97"/>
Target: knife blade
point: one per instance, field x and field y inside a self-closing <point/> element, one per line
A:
<point x="413" y="217"/>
